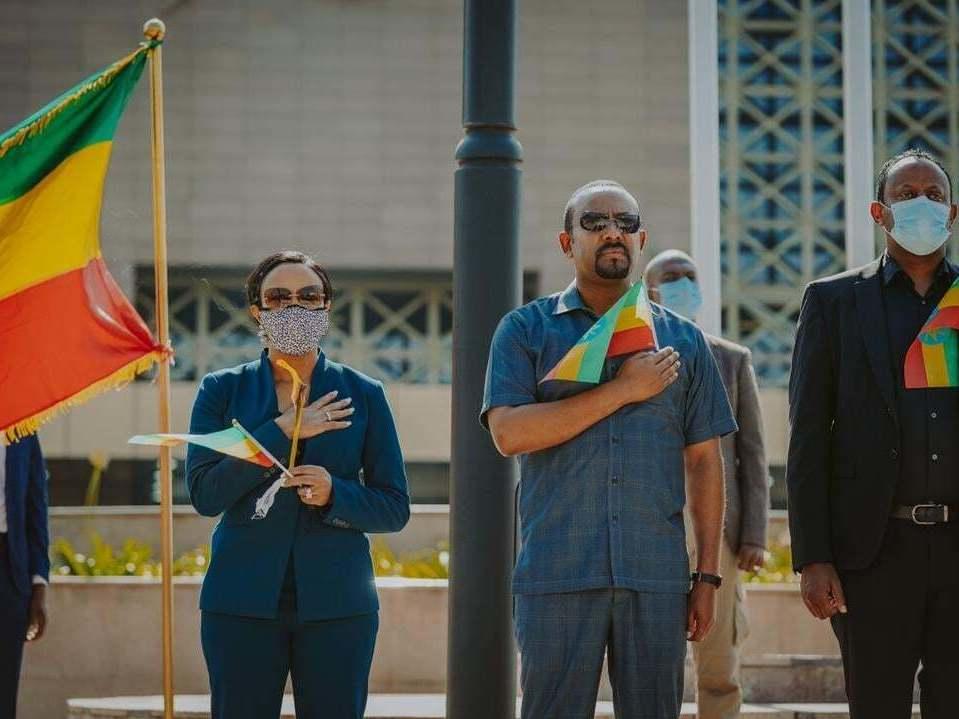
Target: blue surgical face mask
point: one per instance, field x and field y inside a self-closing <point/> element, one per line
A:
<point x="921" y="225"/>
<point x="682" y="296"/>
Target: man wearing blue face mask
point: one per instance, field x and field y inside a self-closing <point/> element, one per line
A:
<point x="873" y="467"/>
<point x="671" y="281"/>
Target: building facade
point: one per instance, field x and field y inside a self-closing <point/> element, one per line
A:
<point x="329" y="126"/>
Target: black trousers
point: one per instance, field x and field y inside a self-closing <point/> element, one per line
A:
<point x="14" y="608"/>
<point x="903" y="613"/>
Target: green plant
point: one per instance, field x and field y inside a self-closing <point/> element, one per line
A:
<point x="431" y="563"/>
<point x="133" y="559"/>
<point x="778" y="567"/>
<point x="99" y="460"/>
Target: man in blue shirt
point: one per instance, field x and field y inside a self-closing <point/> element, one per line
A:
<point x="603" y="566"/>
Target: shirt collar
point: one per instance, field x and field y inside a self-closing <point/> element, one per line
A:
<point x="891" y="268"/>
<point x="569" y="300"/>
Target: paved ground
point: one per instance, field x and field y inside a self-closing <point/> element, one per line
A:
<point x="405" y="706"/>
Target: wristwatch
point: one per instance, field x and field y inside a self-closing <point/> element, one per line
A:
<point x="713" y="579"/>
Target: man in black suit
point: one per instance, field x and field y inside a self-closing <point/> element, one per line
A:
<point x="24" y="560"/>
<point x="873" y="467"/>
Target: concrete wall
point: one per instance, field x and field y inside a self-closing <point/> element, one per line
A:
<point x="422" y="415"/>
<point x="428" y="525"/>
<point x="330" y="125"/>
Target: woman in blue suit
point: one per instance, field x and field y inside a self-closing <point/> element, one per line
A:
<point x="293" y="593"/>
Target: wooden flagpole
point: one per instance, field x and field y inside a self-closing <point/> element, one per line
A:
<point x="155" y="31"/>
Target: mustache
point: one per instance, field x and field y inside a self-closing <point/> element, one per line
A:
<point x="613" y="246"/>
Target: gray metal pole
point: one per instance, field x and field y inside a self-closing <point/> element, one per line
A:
<point x="481" y="678"/>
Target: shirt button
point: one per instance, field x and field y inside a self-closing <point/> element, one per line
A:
<point x="615" y="440"/>
<point x="935" y="457"/>
<point x="615" y="480"/>
<point x="933" y="415"/>
<point x="894" y="453"/>
<point x="615" y="517"/>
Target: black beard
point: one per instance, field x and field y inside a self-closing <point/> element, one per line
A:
<point x="615" y="271"/>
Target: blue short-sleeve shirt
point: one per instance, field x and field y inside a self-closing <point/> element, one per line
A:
<point x="604" y="509"/>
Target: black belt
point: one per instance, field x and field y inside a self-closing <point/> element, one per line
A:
<point x="926" y="513"/>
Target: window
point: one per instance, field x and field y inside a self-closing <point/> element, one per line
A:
<point x="395" y="326"/>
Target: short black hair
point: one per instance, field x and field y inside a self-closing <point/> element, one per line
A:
<point x="913" y="153"/>
<point x="254" y="283"/>
<point x="594" y="185"/>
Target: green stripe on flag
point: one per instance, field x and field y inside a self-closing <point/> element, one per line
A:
<point x="950" y="348"/>
<point x="82" y="116"/>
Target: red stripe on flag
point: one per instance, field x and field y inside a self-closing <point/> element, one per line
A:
<point x="62" y="336"/>
<point x="629" y="341"/>
<point x="915" y="367"/>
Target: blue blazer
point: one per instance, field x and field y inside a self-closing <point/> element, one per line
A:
<point x="328" y="546"/>
<point x="28" y="539"/>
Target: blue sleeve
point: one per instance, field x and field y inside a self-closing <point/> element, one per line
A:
<point x="381" y="502"/>
<point x="38" y="535"/>
<point x="511" y="369"/>
<point x="217" y="481"/>
<point x="708" y="413"/>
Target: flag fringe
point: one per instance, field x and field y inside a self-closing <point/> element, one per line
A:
<point x="41" y="123"/>
<point x="115" y="380"/>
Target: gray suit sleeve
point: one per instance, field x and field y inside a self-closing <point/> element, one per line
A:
<point x="751" y="452"/>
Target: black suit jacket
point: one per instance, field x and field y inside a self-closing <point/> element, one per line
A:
<point x="844" y="442"/>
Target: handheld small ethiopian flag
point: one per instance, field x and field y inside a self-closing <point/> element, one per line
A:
<point x="933" y="358"/>
<point x="234" y="441"/>
<point x="627" y="327"/>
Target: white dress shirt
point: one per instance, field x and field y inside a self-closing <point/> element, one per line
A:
<point x="37" y="579"/>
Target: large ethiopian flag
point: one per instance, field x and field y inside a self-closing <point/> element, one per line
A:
<point x="66" y="330"/>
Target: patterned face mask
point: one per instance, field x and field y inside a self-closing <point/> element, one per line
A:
<point x="294" y="330"/>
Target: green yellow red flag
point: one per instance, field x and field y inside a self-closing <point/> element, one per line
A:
<point x="233" y="441"/>
<point x="933" y="357"/>
<point x="625" y="328"/>
<point x="67" y="332"/>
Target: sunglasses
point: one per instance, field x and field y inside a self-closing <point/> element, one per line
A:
<point x="311" y="297"/>
<point x="627" y="222"/>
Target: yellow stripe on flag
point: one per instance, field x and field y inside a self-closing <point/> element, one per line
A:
<point x="54" y="228"/>
<point x="572" y="363"/>
<point x="629" y="320"/>
<point x="951" y="298"/>
<point x="934" y="358"/>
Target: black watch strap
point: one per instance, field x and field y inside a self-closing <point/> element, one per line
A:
<point x="713" y="579"/>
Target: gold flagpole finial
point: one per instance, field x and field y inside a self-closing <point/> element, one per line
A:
<point x="154" y="29"/>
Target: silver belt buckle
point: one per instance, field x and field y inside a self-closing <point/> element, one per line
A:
<point x="945" y="513"/>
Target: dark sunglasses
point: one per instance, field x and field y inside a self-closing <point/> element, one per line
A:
<point x="627" y="222"/>
<point x="311" y="297"/>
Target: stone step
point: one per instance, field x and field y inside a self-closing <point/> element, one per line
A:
<point x="405" y="706"/>
<point x="775" y="678"/>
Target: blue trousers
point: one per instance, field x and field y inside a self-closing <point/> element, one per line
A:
<point x="249" y="660"/>
<point x="562" y="640"/>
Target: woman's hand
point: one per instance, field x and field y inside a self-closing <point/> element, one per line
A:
<point x="324" y="415"/>
<point x="313" y="484"/>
